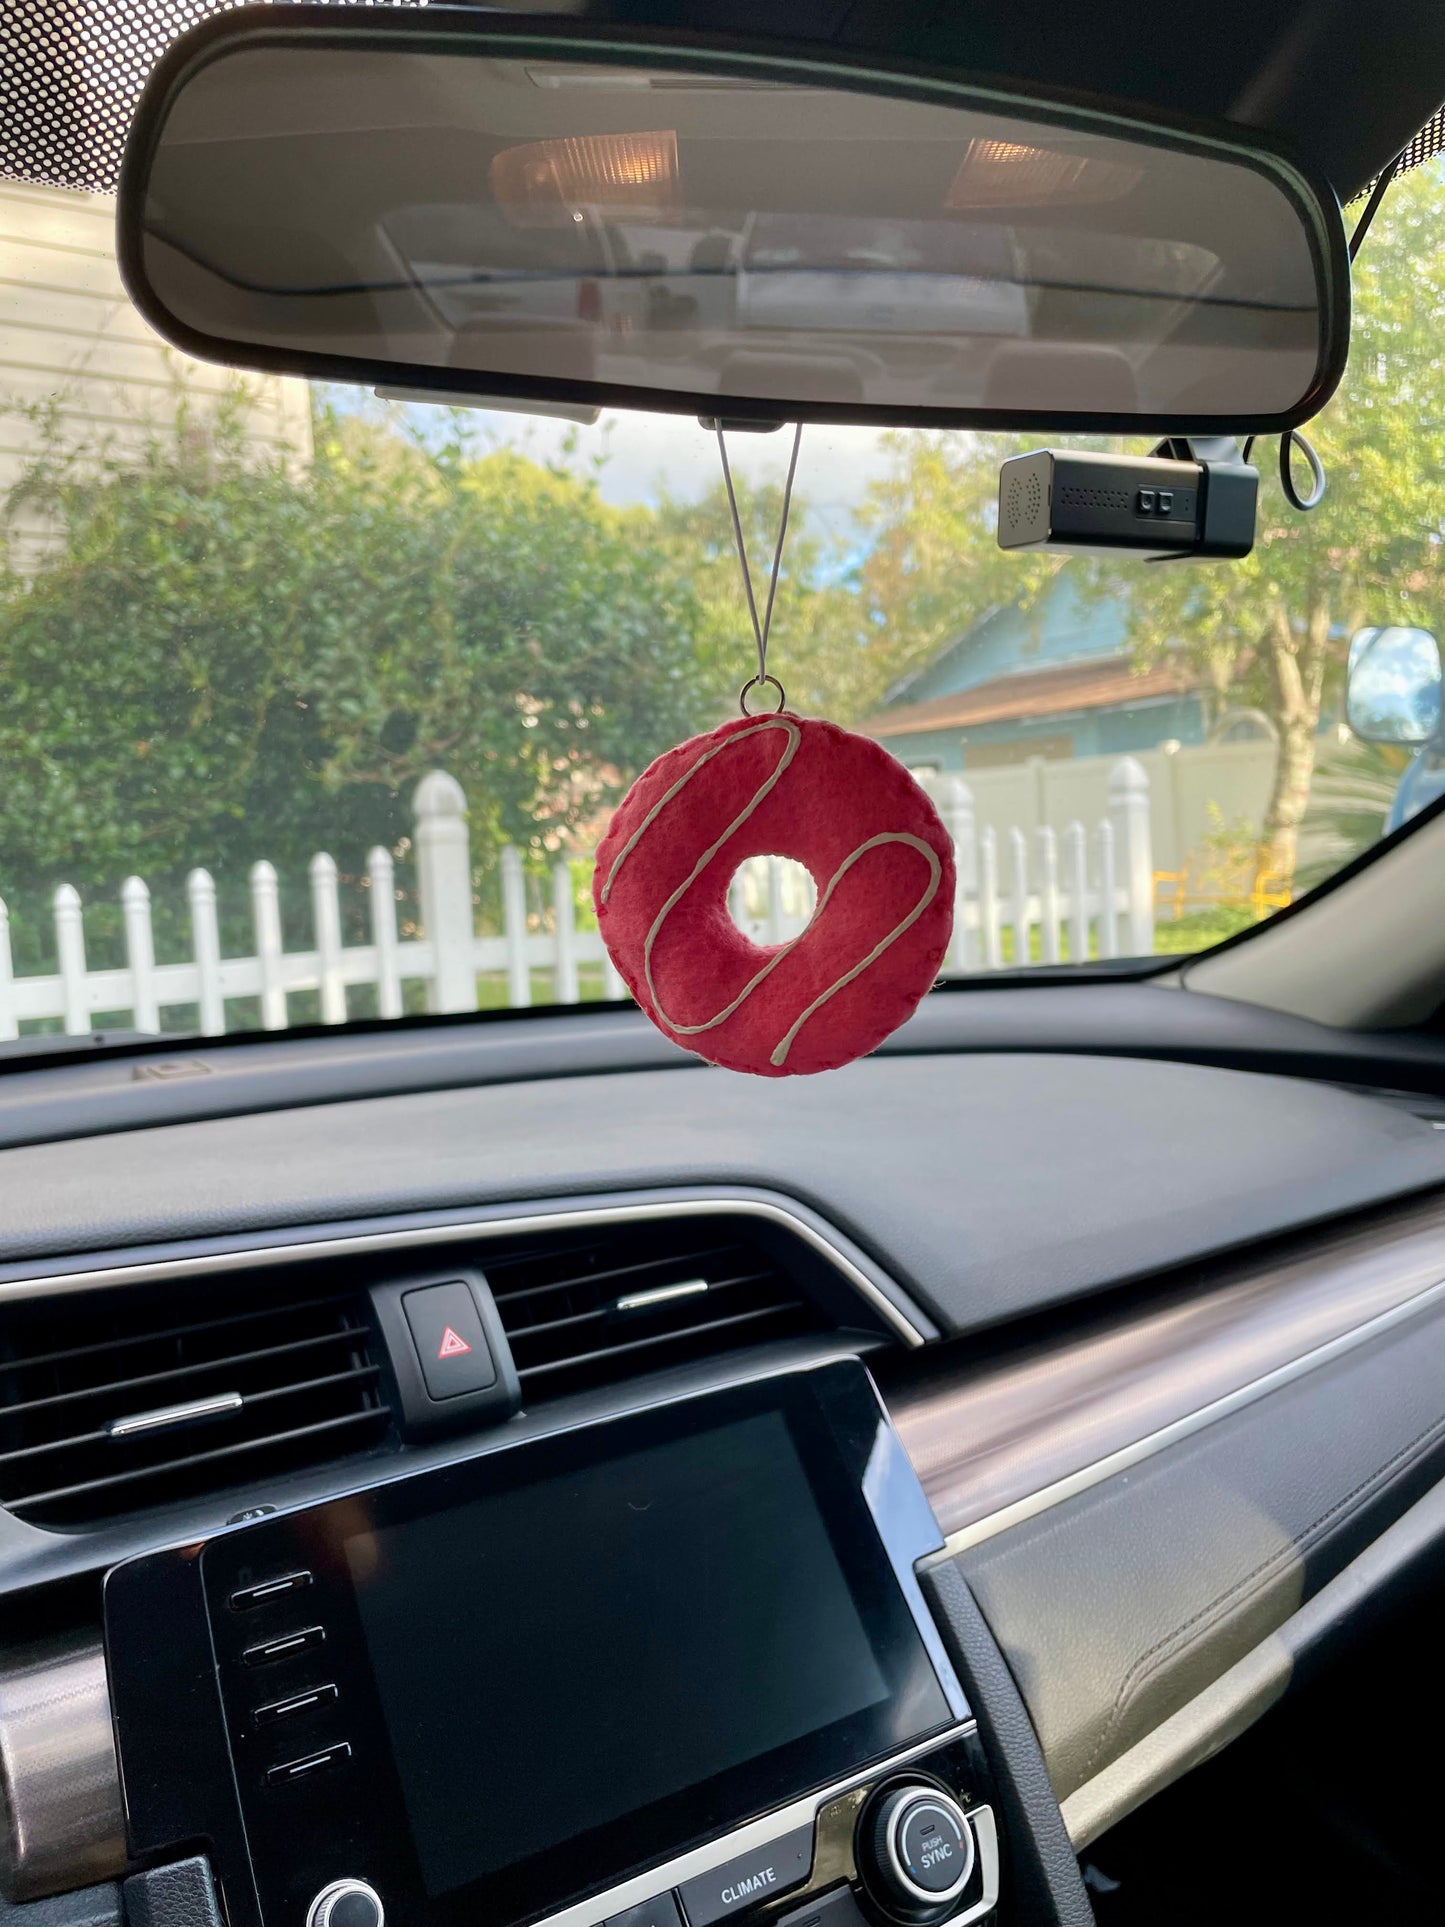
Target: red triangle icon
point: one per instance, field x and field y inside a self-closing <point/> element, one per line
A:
<point x="452" y="1345"/>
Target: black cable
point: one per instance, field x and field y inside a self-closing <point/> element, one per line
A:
<point x="1377" y="194"/>
<point x="1292" y="438"/>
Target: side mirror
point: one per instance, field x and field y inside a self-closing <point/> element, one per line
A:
<point x="1392" y="690"/>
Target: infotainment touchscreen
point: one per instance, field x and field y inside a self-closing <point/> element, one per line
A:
<point x="557" y="1664"/>
<point x="597" y="1641"/>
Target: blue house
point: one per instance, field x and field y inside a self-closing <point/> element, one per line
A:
<point x="1052" y="681"/>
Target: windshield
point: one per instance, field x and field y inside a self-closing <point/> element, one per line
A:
<point x="317" y="706"/>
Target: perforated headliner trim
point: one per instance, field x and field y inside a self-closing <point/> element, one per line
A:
<point x="71" y="72"/>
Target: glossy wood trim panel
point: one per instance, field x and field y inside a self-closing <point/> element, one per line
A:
<point x="999" y="1438"/>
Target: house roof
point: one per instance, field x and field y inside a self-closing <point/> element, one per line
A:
<point x="1108" y="683"/>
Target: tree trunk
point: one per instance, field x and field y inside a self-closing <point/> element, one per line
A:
<point x="1296" y="667"/>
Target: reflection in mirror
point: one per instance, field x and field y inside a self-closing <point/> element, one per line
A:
<point x="1393" y="690"/>
<point x="686" y="233"/>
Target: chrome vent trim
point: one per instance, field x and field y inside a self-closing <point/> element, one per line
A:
<point x="911" y="1328"/>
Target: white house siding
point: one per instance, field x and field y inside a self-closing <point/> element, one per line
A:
<point x="70" y="337"/>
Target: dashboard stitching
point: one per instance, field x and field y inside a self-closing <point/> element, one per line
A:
<point x="1241" y="1589"/>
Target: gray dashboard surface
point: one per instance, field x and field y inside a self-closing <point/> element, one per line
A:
<point x="987" y="1185"/>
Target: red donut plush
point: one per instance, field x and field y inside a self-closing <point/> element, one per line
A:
<point x="782" y="786"/>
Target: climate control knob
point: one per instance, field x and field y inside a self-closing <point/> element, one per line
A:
<point x="917" y="1852"/>
<point x="347" y="1903"/>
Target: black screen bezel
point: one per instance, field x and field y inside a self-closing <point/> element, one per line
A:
<point x="300" y="1834"/>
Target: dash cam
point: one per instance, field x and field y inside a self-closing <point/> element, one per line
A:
<point x="1187" y="498"/>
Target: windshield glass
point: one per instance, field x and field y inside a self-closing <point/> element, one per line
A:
<point x="317" y="706"/>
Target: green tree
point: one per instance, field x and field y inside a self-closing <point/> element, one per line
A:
<point x="222" y="657"/>
<point x="817" y="644"/>
<point x="934" y="566"/>
<point x="1272" y="630"/>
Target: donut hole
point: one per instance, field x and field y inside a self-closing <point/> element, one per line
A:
<point x="771" y="899"/>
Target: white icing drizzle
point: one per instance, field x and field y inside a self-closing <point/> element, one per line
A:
<point x="794" y="737"/>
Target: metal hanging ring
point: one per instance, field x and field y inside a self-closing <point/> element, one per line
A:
<point x="761" y="682"/>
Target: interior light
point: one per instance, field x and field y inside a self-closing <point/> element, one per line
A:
<point x="617" y="174"/>
<point x="997" y="173"/>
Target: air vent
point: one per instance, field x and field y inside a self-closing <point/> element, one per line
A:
<point x="112" y="1402"/>
<point x="599" y="1310"/>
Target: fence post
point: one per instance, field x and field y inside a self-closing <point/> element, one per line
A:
<point x="514" y="928"/>
<point x="776" y="932"/>
<point x="444" y="883"/>
<point x="206" y="944"/>
<point x="564" y="919"/>
<point x="1019" y="861"/>
<point x="266" y="922"/>
<point x="326" y="921"/>
<point x="9" y="1023"/>
<point x="1129" y="812"/>
<point x="1049" y="952"/>
<point x="955" y="806"/>
<point x="70" y="948"/>
<point x="1108" y="892"/>
<point x="382" y="874"/>
<point x="140" y="952"/>
<point x="988" y="919"/>
<point x="1076" y="870"/>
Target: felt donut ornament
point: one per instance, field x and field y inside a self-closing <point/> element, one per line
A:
<point x="780" y="785"/>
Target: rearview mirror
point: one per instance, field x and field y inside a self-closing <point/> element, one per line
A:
<point x="494" y="208"/>
<point x="1392" y="690"/>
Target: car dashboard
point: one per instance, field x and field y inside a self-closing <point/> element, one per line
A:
<point x="649" y="1496"/>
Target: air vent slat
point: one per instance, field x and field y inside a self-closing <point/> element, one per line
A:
<point x="510" y="1295"/>
<point x="27" y="1507"/>
<point x="636" y="1299"/>
<point x="299" y="1373"/>
<point x="611" y="1308"/>
<point x="634" y="1345"/>
<point x="136" y="1387"/>
<point x="70" y="1354"/>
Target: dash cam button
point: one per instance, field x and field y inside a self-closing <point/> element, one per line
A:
<point x="750" y="1879"/>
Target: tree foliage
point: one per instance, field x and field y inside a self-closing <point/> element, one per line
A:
<point x="224" y="657"/>
<point x="1273" y="630"/>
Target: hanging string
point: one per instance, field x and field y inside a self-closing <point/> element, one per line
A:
<point x="761" y="627"/>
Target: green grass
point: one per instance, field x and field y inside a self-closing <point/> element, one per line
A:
<point x="1198" y="929"/>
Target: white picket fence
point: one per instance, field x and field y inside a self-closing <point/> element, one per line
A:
<point x="1088" y="892"/>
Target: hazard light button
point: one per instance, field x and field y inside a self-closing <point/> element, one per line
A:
<point x="451" y="1345"/>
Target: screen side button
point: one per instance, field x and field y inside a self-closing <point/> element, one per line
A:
<point x="306" y="1768"/>
<point x="286" y="1709"/>
<point x="661" y="1912"/>
<point x="751" y="1878"/>
<point x="246" y="1597"/>
<point x="283" y="1646"/>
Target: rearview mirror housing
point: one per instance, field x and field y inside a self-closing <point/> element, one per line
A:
<point x="467" y="204"/>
